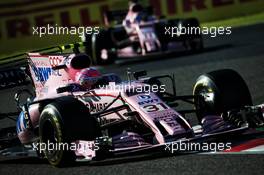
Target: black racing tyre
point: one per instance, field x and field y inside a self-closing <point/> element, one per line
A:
<point x="190" y="33"/>
<point x="118" y="34"/>
<point x="64" y="121"/>
<point x="220" y="91"/>
<point x="102" y="42"/>
<point x="196" y="44"/>
<point x="163" y="37"/>
<point x="190" y="28"/>
<point x="88" y="44"/>
<point x="194" y="38"/>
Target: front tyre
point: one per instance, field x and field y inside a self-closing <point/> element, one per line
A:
<point x="194" y="39"/>
<point x="220" y="91"/>
<point x="62" y="122"/>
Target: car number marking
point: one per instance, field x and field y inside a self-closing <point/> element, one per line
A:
<point x="154" y="107"/>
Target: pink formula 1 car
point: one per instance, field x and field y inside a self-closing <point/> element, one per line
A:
<point x="65" y="122"/>
<point x="146" y="36"/>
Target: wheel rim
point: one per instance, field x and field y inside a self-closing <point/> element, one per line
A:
<point x="206" y="105"/>
<point x="50" y="137"/>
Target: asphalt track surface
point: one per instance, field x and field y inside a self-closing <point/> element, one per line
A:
<point x="242" y="51"/>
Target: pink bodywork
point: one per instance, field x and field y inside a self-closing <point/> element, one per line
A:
<point x="145" y="34"/>
<point x="150" y="107"/>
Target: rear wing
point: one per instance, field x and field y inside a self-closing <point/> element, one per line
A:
<point x="20" y="60"/>
<point x="23" y="69"/>
<point x="117" y="16"/>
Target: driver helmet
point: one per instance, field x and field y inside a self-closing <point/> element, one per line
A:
<point x="88" y="77"/>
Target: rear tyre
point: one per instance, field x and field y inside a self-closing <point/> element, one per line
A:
<point x="220" y="91"/>
<point x="101" y="48"/>
<point x="196" y="44"/>
<point x="194" y="40"/>
<point x="62" y="122"/>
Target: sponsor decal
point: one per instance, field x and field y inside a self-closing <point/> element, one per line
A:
<point x="143" y="96"/>
<point x="97" y="107"/>
<point x="93" y="104"/>
<point x="146" y="99"/>
<point x="42" y="74"/>
<point x="150" y="101"/>
<point x="42" y="69"/>
<point x="55" y="60"/>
